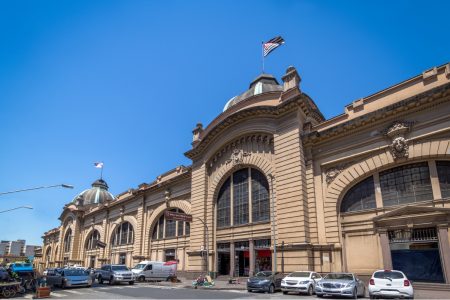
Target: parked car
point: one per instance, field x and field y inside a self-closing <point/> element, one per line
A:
<point x="46" y="271"/>
<point x="265" y="281"/>
<point x="300" y="282"/>
<point x="154" y="270"/>
<point x="341" y="284"/>
<point x="115" y="274"/>
<point x="68" y="277"/>
<point x="390" y="284"/>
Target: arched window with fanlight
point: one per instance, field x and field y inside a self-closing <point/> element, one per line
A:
<point x="360" y="197"/>
<point x="68" y="241"/>
<point x="243" y="189"/>
<point x="123" y="235"/>
<point x="91" y="242"/>
<point x="166" y="229"/>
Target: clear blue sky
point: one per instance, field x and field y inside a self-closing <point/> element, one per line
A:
<point x="125" y="82"/>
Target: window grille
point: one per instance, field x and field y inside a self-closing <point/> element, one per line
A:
<point x="260" y="197"/>
<point x="92" y="241"/>
<point x="262" y="243"/>
<point x="360" y="197"/>
<point x="413" y="235"/>
<point x="240" y="197"/>
<point x="223" y="204"/>
<point x="406" y="184"/>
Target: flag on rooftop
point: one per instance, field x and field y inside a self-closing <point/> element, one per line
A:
<point x="98" y="165"/>
<point x="272" y="44"/>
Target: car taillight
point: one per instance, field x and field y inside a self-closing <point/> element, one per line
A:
<point x="372" y="282"/>
<point x="406" y="283"/>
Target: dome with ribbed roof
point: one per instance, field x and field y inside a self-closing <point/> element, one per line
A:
<point x="97" y="194"/>
<point x="262" y="84"/>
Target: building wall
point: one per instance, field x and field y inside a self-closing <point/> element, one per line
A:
<point x="309" y="163"/>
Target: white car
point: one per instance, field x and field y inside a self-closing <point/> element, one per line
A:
<point x="390" y="284"/>
<point x="300" y="282"/>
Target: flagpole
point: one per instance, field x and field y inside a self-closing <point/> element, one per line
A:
<point x="262" y="52"/>
<point x="101" y="173"/>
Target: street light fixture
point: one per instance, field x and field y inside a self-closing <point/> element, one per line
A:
<point x="28" y="207"/>
<point x="67" y="186"/>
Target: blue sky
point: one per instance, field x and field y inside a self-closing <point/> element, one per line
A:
<point x="125" y="82"/>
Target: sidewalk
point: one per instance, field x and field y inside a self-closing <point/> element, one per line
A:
<point x="218" y="284"/>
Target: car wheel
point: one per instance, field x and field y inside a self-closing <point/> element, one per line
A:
<point x="355" y="294"/>
<point x="271" y="289"/>
<point x="100" y="280"/>
<point x="131" y="282"/>
<point x="111" y="281"/>
<point x="310" y="290"/>
<point x="141" y="278"/>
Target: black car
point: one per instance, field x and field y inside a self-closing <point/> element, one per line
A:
<point x="265" y="281"/>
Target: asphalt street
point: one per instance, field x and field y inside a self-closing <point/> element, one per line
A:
<point x="167" y="292"/>
<point x="160" y="292"/>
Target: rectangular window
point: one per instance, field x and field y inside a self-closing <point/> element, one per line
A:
<point x="122" y="258"/>
<point x="443" y="169"/>
<point x="169" y="254"/>
<point x="240" y="197"/>
<point x="406" y="184"/>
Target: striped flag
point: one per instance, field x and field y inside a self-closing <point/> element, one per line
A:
<point x="272" y="44"/>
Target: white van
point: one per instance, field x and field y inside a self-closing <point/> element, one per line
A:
<point x="154" y="270"/>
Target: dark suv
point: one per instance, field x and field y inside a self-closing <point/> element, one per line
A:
<point x="265" y="281"/>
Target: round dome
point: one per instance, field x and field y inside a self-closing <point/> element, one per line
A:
<point x="97" y="194"/>
<point x="262" y="84"/>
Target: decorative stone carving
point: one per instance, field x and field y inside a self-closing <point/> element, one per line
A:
<point x="333" y="172"/>
<point x="399" y="145"/>
<point x="237" y="156"/>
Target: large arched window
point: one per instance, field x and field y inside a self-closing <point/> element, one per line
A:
<point x="123" y="235"/>
<point x="91" y="242"/>
<point x="169" y="228"/>
<point x="243" y="187"/>
<point x="443" y="169"/>
<point x="359" y="197"/>
<point x="406" y="184"/>
<point x="68" y="241"/>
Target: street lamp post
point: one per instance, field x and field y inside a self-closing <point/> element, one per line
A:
<point x="67" y="186"/>
<point x="27" y="207"/>
<point x="273" y="226"/>
<point x="207" y="244"/>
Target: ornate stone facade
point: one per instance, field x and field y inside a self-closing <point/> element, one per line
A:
<point x="340" y="190"/>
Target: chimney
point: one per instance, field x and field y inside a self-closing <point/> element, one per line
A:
<point x="291" y="86"/>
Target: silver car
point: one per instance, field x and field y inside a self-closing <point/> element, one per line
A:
<point x="341" y="284"/>
<point x="69" y="278"/>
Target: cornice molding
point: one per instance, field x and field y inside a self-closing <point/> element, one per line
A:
<point x="301" y="101"/>
<point x="418" y="102"/>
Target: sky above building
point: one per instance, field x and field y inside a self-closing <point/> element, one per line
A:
<point x="125" y="82"/>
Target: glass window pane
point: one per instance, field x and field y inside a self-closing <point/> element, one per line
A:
<point x="260" y="197"/>
<point x="240" y="197"/>
<point x="412" y="184"/>
<point x="359" y="197"/>
<point x="223" y="204"/>
<point x="443" y="169"/>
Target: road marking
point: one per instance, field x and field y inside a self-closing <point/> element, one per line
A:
<point x="58" y="295"/>
<point x="73" y="292"/>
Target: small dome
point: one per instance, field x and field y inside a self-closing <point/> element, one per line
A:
<point x="95" y="195"/>
<point x="262" y="84"/>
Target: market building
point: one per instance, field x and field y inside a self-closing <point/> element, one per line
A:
<point x="365" y="190"/>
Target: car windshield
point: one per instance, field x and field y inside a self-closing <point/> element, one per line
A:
<point x="18" y="265"/>
<point x="299" y="274"/>
<point x="139" y="266"/>
<point x="339" y="276"/>
<point x="119" y="268"/>
<point x="263" y="274"/>
<point x="388" y="275"/>
<point x="74" y="272"/>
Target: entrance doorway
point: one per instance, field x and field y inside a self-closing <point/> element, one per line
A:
<point x="223" y="258"/>
<point x="92" y="261"/>
<point x="242" y="262"/>
<point x="415" y="252"/>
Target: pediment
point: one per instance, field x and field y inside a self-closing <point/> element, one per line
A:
<point x="413" y="211"/>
